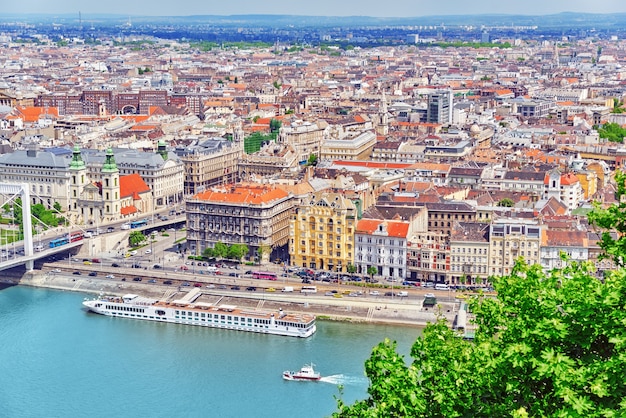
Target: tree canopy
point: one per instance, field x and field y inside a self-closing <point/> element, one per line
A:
<point x="135" y="238"/>
<point x="612" y="222"/>
<point x="612" y="132"/>
<point x="550" y="344"/>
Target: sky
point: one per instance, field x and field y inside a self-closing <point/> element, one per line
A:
<point x="375" y="8"/>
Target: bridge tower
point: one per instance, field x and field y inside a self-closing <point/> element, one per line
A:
<point x="21" y="190"/>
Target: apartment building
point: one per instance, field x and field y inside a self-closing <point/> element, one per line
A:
<point x="45" y="173"/>
<point x="349" y="147"/>
<point x="306" y="138"/>
<point x="510" y="239"/>
<point x="381" y="244"/>
<point x="469" y="253"/>
<point x="209" y="162"/>
<point x="322" y="232"/>
<point x="255" y="215"/>
<point x="573" y="243"/>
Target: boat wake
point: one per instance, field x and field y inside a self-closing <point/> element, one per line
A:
<point x="342" y="379"/>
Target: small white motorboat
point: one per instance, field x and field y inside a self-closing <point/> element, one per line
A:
<point x="307" y="372"/>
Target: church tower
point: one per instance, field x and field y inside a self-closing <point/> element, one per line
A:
<point x="162" y="149"/>
<point x="110" y="187"/>
<point x="383" y="119"/>
<point x="78" y="180"/>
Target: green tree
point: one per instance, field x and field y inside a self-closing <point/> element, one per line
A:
<point x="550" y="344"/>
<point x="371" y="270"/>
<point x="208" y="252"/>
<point x="351" y="268"/>
<point x="275" y="125"/>
<point x="220" y="250"/>
<point x="612" y="223"/>
<point x="237" y="251"/>
<point x="135" y="238"/>
<point x="506" y="202"/>
<point x="261" y="251"/>
<point x="612" y="132"/>
<point x="312" y="160"/>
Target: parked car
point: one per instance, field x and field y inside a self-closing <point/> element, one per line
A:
<point x="235" y="288"/>
<point x="152" y="281"/>
<point x="77" y="273"/>
<point x="93" y="274"/>
<point x="110" y="276"/>
<point x="167" y="282"/>
<point x="156" y="266"/>
<point x="233" y="274"/>
<point x="184" y="268"/>
<point x="197" y="285"/>
<point x="115" y="265"/>
<point x="251" y="288"/>
<point x="137" y="279"/>
<point x="374" y="293"/>
<point x="185" y="284"/>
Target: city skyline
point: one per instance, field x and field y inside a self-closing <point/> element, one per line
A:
<point x="394" y="8"/>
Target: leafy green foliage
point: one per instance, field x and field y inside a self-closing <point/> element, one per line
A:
<point x="371" y="270"/>
<point x="135" y="238"/>
<point x="612" y="222"/>
<point x="220" y="250"/>
<point x="612" y="132"/>
<point x="618" y="106"/>
<point x="275" y="125"/>
<point x="506" y="202"/>
<point x="252" y="143"/>
<point x="237" y="251"/>
<point x="550" y="344"/>
<point x="312" y="160"/>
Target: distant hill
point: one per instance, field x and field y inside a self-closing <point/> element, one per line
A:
<point x="566" y="19"/>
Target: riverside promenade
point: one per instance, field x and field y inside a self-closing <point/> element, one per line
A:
<point x="407" y="311"/>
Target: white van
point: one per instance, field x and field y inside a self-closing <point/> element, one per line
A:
<point x="38" y="248"/>
<point x="442" y="286"/>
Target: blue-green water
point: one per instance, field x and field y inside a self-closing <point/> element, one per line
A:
<point x="59" y="361"/>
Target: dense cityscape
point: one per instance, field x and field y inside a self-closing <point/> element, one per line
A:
<point x="460" y="176"/>
<point x="431" y="159"/>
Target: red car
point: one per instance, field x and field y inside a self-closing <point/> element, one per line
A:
<point x="184" y="268"/>
<point x="197" y="285"/>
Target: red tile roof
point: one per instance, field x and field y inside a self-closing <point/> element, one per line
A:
<point x="243" y="194"/>
<point x="397" y="229"/>
<point x="127" y="210"/>
<point x="132" y="185"/>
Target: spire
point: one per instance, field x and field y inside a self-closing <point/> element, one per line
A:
<point x="162" y="150"/>
<point x="109" y="165"/>
<point x="77" y="161"/>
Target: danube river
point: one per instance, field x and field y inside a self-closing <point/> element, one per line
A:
<point x="60" y="361"/>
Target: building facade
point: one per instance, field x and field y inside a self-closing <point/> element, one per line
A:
<point x="381" y="244"/>
<point x="254" y="215"/>
<point x="209" y="163"/>
<point x="322" y="232"/>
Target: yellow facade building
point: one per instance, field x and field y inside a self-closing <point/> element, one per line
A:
<point x="322" y="232"/>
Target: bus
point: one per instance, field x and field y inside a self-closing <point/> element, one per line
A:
<point x="58" y="242"/>
<point x="264" y="275"/>
<point x="308" y="289"/>
<point x="76" y="236"/>
<point x="138" y="224"/>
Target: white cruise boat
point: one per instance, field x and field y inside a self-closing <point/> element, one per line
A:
<point x="185" y="311"/>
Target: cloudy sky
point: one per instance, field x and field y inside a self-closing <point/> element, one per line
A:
<point x="378" y="8"/>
